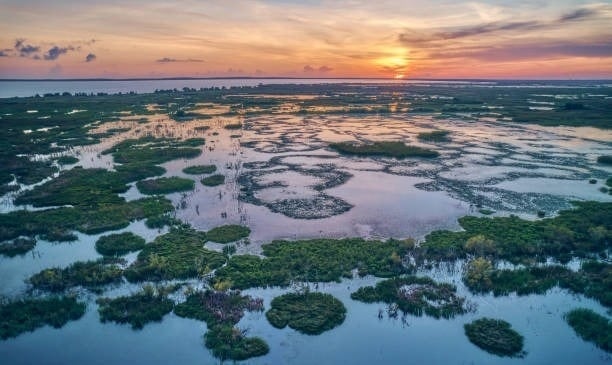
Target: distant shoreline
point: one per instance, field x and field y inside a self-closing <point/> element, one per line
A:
<point x="304" y="78"/>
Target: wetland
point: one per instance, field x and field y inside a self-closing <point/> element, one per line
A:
<point x="322" y="223"/>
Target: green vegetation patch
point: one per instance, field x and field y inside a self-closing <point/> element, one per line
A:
<point x="606" y="160"/>
<point x="119" y="244"/>
<point x="594" y="279"/>
<point x="435" y="136"/>
<point x="18" y="246"/>
<point x="591" y="327"/>
<point x="67" y="160"/>
<point x="200" y="169"/>
<point x="165" y="185"/>
<point x="29" y="314"/>
<point x="154" y="150"/>
<point x="213" y="180"/>
<point x="228" y="233"/>
<point x="222" y="311"/>
<point x="57" y="223"/>
<point x="415" y="295"/>
<point x="318" y="260"/>
<point x="77" y="187"/>
<point x="575" y="232"/>
<point x="137" y="310"/>
<point x="178" y="254"/>
<point x="90" y="274"/>
<point x="385" y="149"/>
<point x="494" y="336"/>
<point x="310" y="313"/>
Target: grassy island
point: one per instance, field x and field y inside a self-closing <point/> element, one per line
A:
<point x="415" y="295"/>
<point x="434" y="136"/>
<point x="213" y="180"/>
<point x="310" y="313"/>
<point x="591" y="327"/>
<point x="178" y="254"/>
<point x="90" y="274"/>
<point x="165" y="185"/>
<point x="200" y="169"/>
<point x="222" y="311"/>
<point x="384" y="149"/>
<point x="314" y="260"/>
<point x="137" y="310"/>
<point x="119" y="244"/>
<point x="18" y="246"/>
<point x="494" y="336"/>
<point x="29" y="314"/>
<point x="228" y="233"/>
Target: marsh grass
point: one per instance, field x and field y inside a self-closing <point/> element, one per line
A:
<point x="309" y="312"/>
<point x="213" y="180"/>
<point x="147" y="306"/>
<point x="495" y="336"/>
<point x="119" y="244"/>
<point x="178" y="254"/>
<point x="591" y="327"/>
<point x="200" y="169"/>
<point x="165" y="185"/>
<point x="26" y="315"/>
<point x="228" y="233"/>
<point x="416" y="296"/>
<point x="384" y="149"/>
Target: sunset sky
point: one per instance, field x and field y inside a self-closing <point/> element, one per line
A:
<point x="309" y="38"/>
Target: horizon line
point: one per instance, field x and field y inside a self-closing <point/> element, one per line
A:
<point x="179" y="78"/>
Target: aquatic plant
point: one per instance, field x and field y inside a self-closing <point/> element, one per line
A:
<point x="26" y="315"/>
<point x="495" y="336"/>
<point x="213" y="180"/>
<point x="318" y="260"/>
<point x="18" y="246"/>
<point x="119" y="244"/>
<point x="67" y="160"/>
<point x="178" y="254"/>
<point x="516" y="239"/>
<point x="434" y="136"/>
<point x="221" y="311"/>
<point x="90" y="274"/>
<point x="165" y="185"/>
<point x="606" y="160"/>
<point x="311" y="313"/>
<point x="200" y="169"/>
<point x="385" y="149"/>
<point x="591" y="327"/>
<point x="57" y="223"/>
<point x="228" y="233"/>
<point x="149" y="305"/>
<point x="416" y="296"/>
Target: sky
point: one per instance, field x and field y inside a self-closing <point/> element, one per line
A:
<point x="310" y="38"/>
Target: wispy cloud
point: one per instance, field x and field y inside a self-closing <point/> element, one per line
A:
<point x="170" y="60"/>
<point x="90" y="57"/>
<point x="54" y="52"/>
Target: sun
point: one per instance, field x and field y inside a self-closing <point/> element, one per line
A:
<point x="399" y="76"/>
